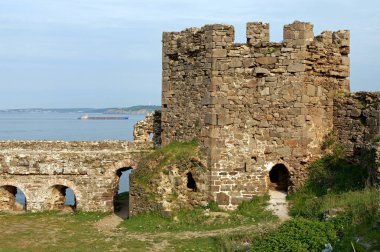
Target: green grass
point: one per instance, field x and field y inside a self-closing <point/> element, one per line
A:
<point x="376" y="139"/>
<point x="335" y="184"/>
<point x="51" y="231"/>
<point x="203" y="244"/>
<point x="195" y="219"/>
<point x="57" y="231"/>
<point x="299" y="235"/>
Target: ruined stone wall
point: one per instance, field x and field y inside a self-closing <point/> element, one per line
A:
<point x="157" y="129"/>
<point x="88" y="168"/>
<point x="180" y="183"/>
<point x="143" y="130"/>
<point x="356" y="120"/>
<point x="260" y="104"/>
<point x="149" y="129"/>
<point x="368" y="155"/>
<point x="186" y="76"/>
<point x="377" y="163"/>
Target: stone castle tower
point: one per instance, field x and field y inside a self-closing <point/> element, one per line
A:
<point x="261" y="110"/>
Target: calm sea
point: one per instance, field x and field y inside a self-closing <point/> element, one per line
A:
<point x="66" y="127"/>
<point x="63" y="126"/>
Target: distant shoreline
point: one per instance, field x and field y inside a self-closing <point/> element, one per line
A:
<point x="134" y="110"/>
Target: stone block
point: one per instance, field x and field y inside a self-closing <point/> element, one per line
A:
<point x="261" y="71"/>
<point x="266" y="60"/>
<point x="296" y="67"/>
<point x="219" y="53"/>
<point x="222" y="199"/>
<point x="211" y="119"/>
<point x="235" y="62"/>
<point x="237" y="200"/>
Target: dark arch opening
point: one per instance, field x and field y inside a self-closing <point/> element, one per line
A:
<point x="61" y="198"/>
<point x="279" y="178"/>
<point x="121" y="193"/>
<point x="191" y="184"/>
<point x="12" y="199"/>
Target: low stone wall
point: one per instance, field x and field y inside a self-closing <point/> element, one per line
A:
<point x="88" y="168"/>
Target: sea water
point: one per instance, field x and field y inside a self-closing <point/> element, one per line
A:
<point x="65" y="127"/>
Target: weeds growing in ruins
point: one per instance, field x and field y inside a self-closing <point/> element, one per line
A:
<point x="334" y="206"/>
<point x="202" y="218"/>
<point x="175" y="153"/>
<point x="336" y="193"/>
<point x="376" y="139"/>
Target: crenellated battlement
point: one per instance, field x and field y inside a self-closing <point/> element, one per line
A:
<point x="257" y="34"/>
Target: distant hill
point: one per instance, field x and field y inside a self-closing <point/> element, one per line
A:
<point x="134" y="110"/>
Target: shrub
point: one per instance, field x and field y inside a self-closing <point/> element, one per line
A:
<point x="332" y="174"/>
<point x="376" y="139"/>
<point x="297" y="235"/>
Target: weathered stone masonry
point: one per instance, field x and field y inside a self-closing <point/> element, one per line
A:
<point x="253" y="105"/>
<point x="260" y="111"/>
<point x="356" y="120"/>
<point x="39" y="168"/>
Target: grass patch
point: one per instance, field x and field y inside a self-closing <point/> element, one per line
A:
<point x="51" y="231"/>
<point x="203" y="244"/>
<point x="296" y="236"/>
<point x="199" y="218"/>
<point x="336" y="186"/>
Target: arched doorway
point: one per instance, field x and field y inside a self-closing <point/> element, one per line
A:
<point x="12" y="199"/>
<point x="121" y="193"/>
<point x="279" y="178"/>
<point x="61" y="198"/>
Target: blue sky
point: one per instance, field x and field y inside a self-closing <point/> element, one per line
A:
<point x="107" y="53"/>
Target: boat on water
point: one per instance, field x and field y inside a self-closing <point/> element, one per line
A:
<point x="86" y="117"/>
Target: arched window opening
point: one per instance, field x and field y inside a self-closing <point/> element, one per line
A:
<point x="12" y="199"/>
<point x="279" y="178"/>
<point x="70" y="198"/>
<point x="150" y="137"/>
<point x="191" y="184"/>
<point x="121" y="195"/>
<point x="61" y="198"/>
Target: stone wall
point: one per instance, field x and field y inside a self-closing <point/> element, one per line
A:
<point x="377" y="163"/>
<point x="143" y="130"/>
<point x="178" y="184"/>
<point x="149" y="129"/>
<point x="40" y="169"/>
<point x="356" y="120"/>
<point x="157" y="129"/>
<point x="253" y="105"/>
<point x="370" y="159"/>
<point x="186" y="77"/>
